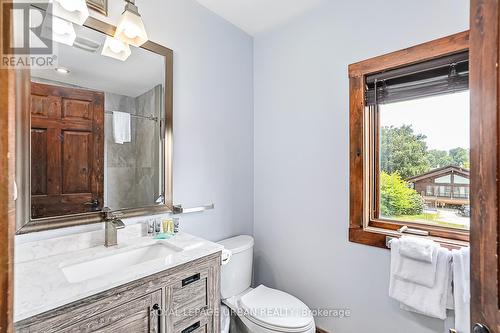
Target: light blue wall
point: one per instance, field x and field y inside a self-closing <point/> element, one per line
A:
<point x="302" y="155"/>
<point x="213" y="114"/>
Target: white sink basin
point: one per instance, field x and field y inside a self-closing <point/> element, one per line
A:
<point x="117" y="262"/>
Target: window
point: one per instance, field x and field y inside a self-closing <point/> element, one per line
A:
<point x="444" y="179"/>
<point x="410" y="142"/>
<point x="461" y="180"/>
<point x="461" y="192"/>
<point x="419" y="123"/>
<point x="430" y="190"/>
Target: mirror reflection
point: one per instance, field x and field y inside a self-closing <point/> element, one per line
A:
<point x="97" y="128"/>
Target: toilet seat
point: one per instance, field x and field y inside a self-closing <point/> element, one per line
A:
<point x="275" y="310"/>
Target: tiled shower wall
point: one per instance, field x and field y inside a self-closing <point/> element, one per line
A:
<point x="132" y="169"/>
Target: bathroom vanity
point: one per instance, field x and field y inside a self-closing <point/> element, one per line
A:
<point x="143" y="285"/>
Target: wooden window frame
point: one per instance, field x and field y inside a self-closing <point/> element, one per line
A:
<point x="364" y="229"/>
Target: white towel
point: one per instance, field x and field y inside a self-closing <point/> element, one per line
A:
<point x="428" y="301"/>
<point x="461" y="291"/>
<point x="418" y="248"/>
<point x="416" y="270"/>
<point x="121" y="127"/>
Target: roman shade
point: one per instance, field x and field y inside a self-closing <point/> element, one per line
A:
<point x="434" y="77"/>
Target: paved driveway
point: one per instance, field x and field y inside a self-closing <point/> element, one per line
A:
<point x="451" y="216"/>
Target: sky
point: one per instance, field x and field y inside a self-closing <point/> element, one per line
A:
<point x="444" y="119"/>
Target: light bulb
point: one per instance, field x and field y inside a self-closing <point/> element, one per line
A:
<point x="58" y="30"/>
<point x="116" y="46"/>
<point x="69" y="5"/>
<point x="61" y="27"/>
<point x="131" y="31"/>
<point x="130" y="28"/>
<point x="75" y="11"/>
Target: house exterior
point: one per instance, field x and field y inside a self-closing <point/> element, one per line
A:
<point x="447" y="186"/>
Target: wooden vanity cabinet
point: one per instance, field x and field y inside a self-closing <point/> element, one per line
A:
<point x="134" y="316"/>
<point x="183" y="299"/>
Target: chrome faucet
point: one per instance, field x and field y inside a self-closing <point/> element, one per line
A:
<point x="112" y="223"/>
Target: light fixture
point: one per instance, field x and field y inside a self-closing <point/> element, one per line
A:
<point x="58" y="30"/>
<point x="130" y="28"/>
<point x="115" y="48"/>
<point x="75" y="11"/>
<point x="62" y="70"/>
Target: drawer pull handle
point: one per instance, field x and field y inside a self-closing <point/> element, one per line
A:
<point x="192" y="328"/>
<point x="190" y="279"/>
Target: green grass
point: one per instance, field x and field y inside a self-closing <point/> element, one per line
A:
<point x="432" y="217"/>
<point x="426" y="217"/>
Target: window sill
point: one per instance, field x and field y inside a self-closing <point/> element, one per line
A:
<point x="376" y="237"/>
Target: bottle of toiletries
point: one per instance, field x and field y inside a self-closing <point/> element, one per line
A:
<point x="171" y="226"/>
<point x="168" y="226"/>
<point x="164" y="226"/>
<point x="157" y="226"/>
<point x="151" y="227"/>
<point x="176" y="221"/>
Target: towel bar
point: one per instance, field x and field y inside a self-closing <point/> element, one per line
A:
<point x="405" y="230"/>
<point x="178" y="209"/>
<point x="388" y="240"/>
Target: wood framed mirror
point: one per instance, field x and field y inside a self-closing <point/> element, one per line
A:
<point x="72" y="158"/>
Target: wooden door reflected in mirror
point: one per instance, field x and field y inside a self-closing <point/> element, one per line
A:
<point x="66" y="150"/>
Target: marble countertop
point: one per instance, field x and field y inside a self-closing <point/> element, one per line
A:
<point x="40" y="284"/>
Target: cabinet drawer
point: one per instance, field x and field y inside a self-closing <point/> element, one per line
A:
<point x="194" y="325"/>
<point x="190" y="296"/>
<point x="191" y="291"/>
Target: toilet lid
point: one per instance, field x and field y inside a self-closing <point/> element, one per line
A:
<point x="276" y="310"/>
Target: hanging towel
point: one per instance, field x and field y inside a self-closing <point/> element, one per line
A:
<point x="461" y="291"/>
<point x="121" y="127"/>
<point x="450" y="303"/>
<point x="428" y="301"/>
<point x="415" y="268"/>
<point x="418" y="248"/>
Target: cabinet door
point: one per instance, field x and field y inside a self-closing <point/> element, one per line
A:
<point x="137" y="316"/>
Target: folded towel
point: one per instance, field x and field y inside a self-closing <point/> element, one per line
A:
<point x="428" y="301"/>
<point x="450" y="303"/>
<point x="121" y="127"/>
<point x="461" y="292"/>
<point x="417" y="271"/>
<point x="418" y="248"/>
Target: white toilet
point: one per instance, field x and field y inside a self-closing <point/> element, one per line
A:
<point x="262" y="309"/>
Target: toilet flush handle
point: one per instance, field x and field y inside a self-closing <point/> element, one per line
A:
<point x="226" y="256"/>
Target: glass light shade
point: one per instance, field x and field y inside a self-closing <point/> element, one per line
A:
<point x="115" y="48"/>
<point x="75" y="11"/>
<point x="130" y="29"/>
<point x="60" y="30"/>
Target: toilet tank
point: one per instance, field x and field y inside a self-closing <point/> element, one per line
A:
<point x="236" y="275"/>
